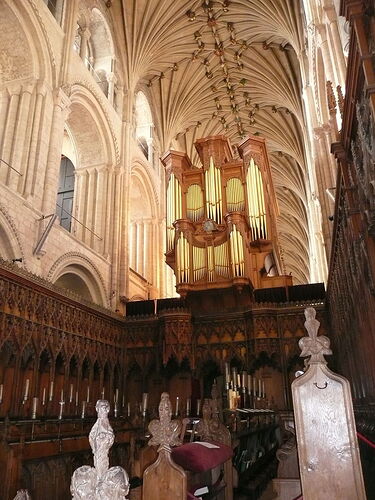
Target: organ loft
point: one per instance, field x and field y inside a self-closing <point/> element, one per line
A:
<point x="187" y="256"/>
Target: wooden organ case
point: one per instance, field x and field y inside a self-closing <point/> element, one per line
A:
<point x="221" y="217"/>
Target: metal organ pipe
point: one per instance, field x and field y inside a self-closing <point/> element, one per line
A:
<point x="174" y="208"/>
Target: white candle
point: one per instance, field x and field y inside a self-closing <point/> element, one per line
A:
<point x="103" y="393"/>
<point x="177" y="400"/>
<point x="244" y="379"/>
<point x="62" y="395"/>
<point x="116" y="396"/>
<point x="71" y="393"/>
<point x="1" y="393"/>
<point x="34" y="408"/>
<point x="254" y="386"/>
<point x="26" y="389"/>
<point x="76" y="398"/>
<point x="227" y="373"/>
<point x="83" y="409"/>
<point x="259" y="388"/>
<point x="198" y="407"/>
<point x="144" y="401"/>
<point x="44" y="396"/>
<point x="263" y="389"/>
<point x="249" y="383"/>
<point x="123" y="401"/>
<point x="51" y="391"/>
<point x="128" y="409"/>
<point x="188" y="405"/>
<point x="88" y="394"/>
<point x="61" y="409"/>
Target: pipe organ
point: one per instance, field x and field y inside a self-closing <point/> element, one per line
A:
<point x="221" y="217"/>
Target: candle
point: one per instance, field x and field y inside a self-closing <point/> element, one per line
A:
<point x="238" y="380"/>
<point x="103" y="393"/>
<point x="259" y="388"/>
<point x="249" y="383"/>
<point x="88" y="394"/>
<point x="188" y="406"/>
<point x="177" y="400"/>
<point x="71" y="393"/>
<point x="34" y="408"/>
<point x="26" y="389"/>
<point x="76" y="398"/>
<point x="263" y="389"/>
<point x="51" y="391"/>
<point x="144" y="402"/>
<point x="116" y="396"/>
<point x="44" y="396"/>
<point x="254" y="386"/>
<point x="62" y="395"/>
<point x="227" y="373"/>
<point x="198" y="407"/>
<point x="1" y="393"/>
<point x="123" y="401"/>
<point x="244" y="379"/>
<point x="234" y="377"/>
<point x="83" y="409"/>
<point x="128" y="409"/>
<point x="61" y="409"/>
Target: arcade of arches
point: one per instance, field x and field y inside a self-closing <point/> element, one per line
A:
<point x="93" y="94"/>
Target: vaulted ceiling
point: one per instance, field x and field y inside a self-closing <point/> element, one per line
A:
<point x="228" y="67"/>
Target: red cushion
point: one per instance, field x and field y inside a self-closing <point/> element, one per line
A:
<point x="197" y="458"/>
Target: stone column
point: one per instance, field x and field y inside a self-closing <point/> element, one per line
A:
<point x="9" y="129"/>
<point x="51" y="178"/>
<point x="337" y="51"/>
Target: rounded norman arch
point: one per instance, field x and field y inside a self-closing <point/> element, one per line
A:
<point x="78" y="274"/>
<point x="10" y="244"/>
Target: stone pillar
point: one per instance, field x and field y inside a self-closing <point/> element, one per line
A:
<point x="337" y="52"/>
<point x="9" y="130"/>
<point x="51" y="177"/>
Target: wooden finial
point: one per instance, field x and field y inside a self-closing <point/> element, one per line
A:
<point x="165" y="432"/>
<point x="314" y="346"/>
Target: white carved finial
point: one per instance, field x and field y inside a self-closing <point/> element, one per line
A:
<point x="165" y="432"/>
<point x="100" y="482"/>
<point x="314" y="346"/>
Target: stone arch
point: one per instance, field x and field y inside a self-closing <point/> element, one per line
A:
<point x="143" y="211"/>
<point x="10" y="243"/>
<point x="26" y="51"/>
<point x="81" y="276"/>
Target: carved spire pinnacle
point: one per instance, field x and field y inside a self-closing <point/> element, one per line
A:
<point x="314" y="346"/>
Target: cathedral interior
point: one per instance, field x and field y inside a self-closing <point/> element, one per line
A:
<point x="179" y="180"/>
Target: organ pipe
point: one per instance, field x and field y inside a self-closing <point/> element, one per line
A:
<point x="255" y="194"/>
<point x="174" y="208"/>
<point x="237" y="253"/>
<point x="213" y="193"/>
<point x="183" y="260"/>
<point x="221" y="256"/>
<point x="199" y="264"/>
<point x="235" y="195"/>
<point x="194" y="203"/>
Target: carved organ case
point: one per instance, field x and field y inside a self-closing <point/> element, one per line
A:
<point x="221" y="217"/>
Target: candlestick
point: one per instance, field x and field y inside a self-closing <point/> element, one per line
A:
<point x="88" y="394"/>
<point x="44" y="396"/>
<point x="1" y="393"/>
<point x="26" y="389"/>
<point x="61" y="403"/>
<point x="51" y="391"/>
<point x="176" y="412"/>
<point x="71" y="393"/>
<point x="83" y="409"/>
<point x="198" y="407"/>
<point x="34" y="408"/>
<point x="115" y="410"/>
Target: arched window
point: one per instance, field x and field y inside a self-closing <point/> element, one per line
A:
<point x="65" y="194"/>
<point x="56" y="8"/>
<point x="144" y="125"/>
